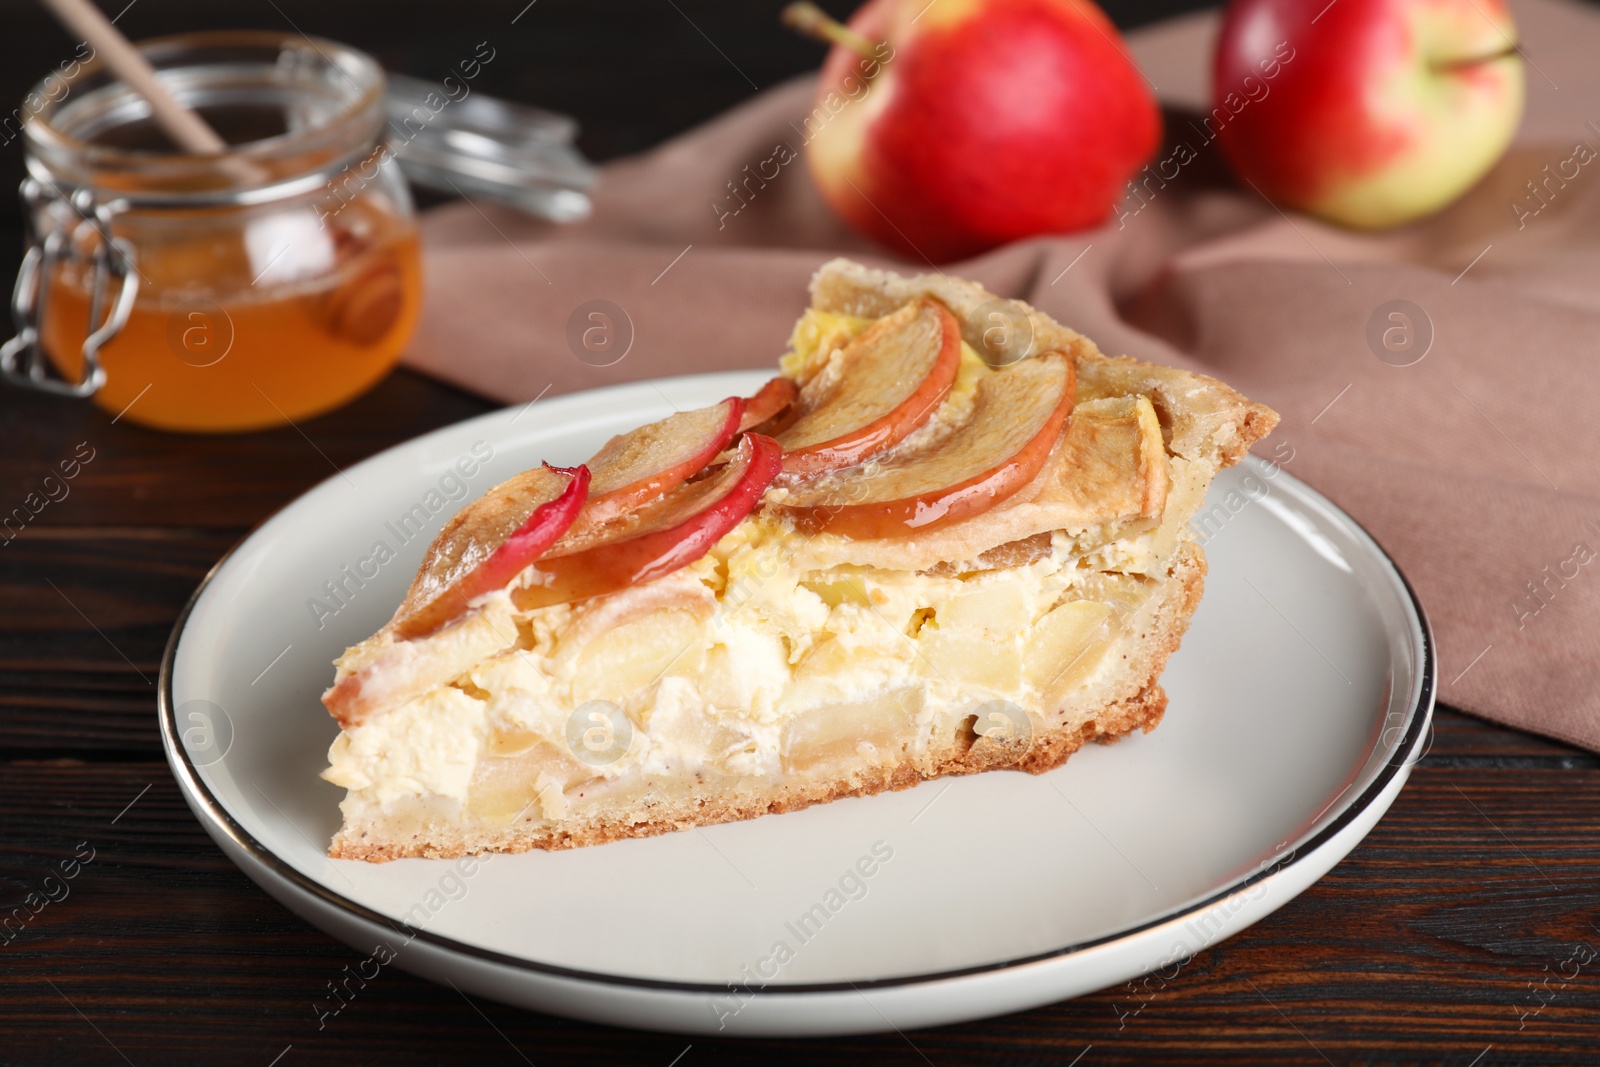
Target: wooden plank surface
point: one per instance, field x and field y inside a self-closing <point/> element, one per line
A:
<point x="1431" y="943"/>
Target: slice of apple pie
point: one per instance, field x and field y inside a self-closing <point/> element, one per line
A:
<point x="933" y="545"/>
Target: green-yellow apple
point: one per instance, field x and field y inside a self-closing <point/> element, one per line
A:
<point x="944" y="129"/>
<point x="1368" y="113"/>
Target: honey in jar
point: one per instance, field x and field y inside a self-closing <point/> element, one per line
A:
<point x="269" y="284"/>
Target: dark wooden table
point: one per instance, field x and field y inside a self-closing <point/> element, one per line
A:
<point x="1446" y="937"/>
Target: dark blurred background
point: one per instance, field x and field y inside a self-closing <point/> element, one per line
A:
<point x="633" y="72"/>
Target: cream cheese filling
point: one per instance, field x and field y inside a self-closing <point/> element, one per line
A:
<point x="743" y="664"/>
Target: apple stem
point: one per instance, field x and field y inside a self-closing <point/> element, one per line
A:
<point x="1474" y="61"/>
<point x="809" y="19"/>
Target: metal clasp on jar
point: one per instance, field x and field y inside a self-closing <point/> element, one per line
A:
<point x="65" y="230"/>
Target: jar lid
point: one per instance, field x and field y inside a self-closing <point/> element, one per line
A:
<point x="479" y="145"/>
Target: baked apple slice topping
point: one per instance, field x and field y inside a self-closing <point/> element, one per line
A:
<point x="605" y="548"/>
<point x="884" y="383"/>
<point x="771" y="410"/>
<point x="655" y="538"/>
<point x="1017" y="416"/>
<point x="493" y="539"/>
<point x="640" y="465"/>
<point x="488" y="543"/>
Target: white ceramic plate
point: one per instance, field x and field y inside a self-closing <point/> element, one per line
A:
<point x="1298" y="702"/>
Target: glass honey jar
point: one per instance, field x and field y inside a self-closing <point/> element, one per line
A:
<point x="216" y="293"/>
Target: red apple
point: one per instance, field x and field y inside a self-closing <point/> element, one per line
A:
<point x="1368" y="113"/>
<point x="488" y="543"/>
<point x="657" y="538"/>
<point x="889" y="380"/>
<point x="970" y="123"/>
<point x="1017" y="416"/>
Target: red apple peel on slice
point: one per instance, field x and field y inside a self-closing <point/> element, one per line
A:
<point x="475" y="554"/>
<point x="655" y="539"/>
<point x="480" y="550"/>
<point x="772" y="408"/>
<point x="1018" y="415"/>
<point x="461" y="565"/>
<point x="891" y="378"/>
<point x="640" y="465"/>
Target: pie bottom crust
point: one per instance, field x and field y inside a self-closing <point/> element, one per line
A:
<point x="1139" y="705"/>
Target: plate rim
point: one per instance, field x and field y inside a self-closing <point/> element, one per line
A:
<point x="201" y="797"/>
